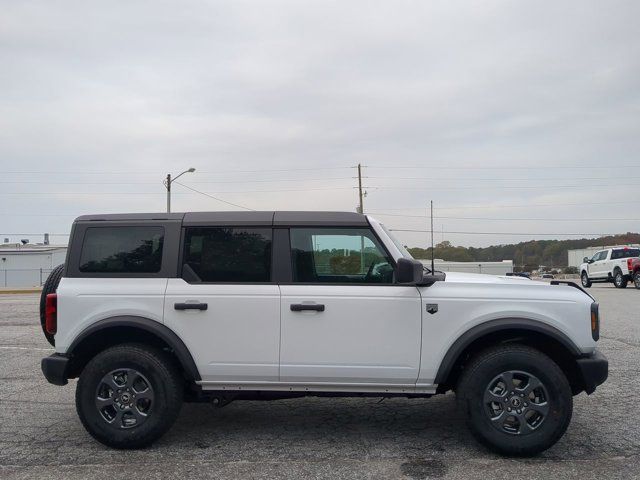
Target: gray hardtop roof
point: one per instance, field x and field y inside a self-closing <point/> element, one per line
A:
<point x="269" y="218"/>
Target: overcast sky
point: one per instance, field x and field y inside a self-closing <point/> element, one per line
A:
<point x="514" y="117"/>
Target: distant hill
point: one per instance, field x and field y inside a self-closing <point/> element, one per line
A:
<point x="532" y="253"/>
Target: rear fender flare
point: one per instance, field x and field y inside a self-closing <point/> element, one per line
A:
<point x="153" y="327"/>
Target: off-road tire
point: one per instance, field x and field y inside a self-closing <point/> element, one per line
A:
<point x="636" y="279"/>
<point x="164" y="378"/>
<point x="619" y="280"/>
<point x="50" y="286"/>
<point x="584" y="278"/>
<point x="485" y="366"/>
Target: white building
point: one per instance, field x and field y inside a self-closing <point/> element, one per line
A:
<point x="28" y="265"/>
<point x="575" y="257"/>
<point x="491" y="268"/>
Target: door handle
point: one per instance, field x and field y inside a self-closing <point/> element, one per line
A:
<point x="299" y="307"/>
<point x="190" y="306"/>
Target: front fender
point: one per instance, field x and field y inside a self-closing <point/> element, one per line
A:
<point x="492" y="327"/>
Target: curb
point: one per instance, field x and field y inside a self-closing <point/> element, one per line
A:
<point x="14" y="291"/>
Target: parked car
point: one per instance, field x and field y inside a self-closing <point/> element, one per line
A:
<point x="151" y="310"/>
<point x="634" y="268"/>
<point x="609" y="265"/>
<point x="547" y="275"/>
<point x="519" y="274"/>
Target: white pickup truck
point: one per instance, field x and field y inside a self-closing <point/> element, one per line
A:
<point x="151" y="310"/>
<point x="609" y="265"/>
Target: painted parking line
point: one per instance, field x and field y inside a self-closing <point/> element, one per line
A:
<point x="12" y="347"/>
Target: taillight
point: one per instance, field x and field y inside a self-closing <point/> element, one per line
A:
<point x="51" y="314"/>
<point x="595" y="321"/>
<point x="629" y="264"/>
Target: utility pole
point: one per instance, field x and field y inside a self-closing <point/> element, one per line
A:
<point x="169" y="181"/>
<point x="433" y="267"/>
<point x="361" y="211"/>
<point x="168" y="184"/>
<point x="361" y="206"/>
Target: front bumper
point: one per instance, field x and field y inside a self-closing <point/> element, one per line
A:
<point x="55" y="368"/>
<point x="594" y="370"/>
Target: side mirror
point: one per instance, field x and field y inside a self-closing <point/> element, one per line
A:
<point x="585" y="260"/>
<point x="409" y="271"/>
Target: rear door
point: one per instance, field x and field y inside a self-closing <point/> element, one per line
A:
<point x="344" y="320"/>
<point x="614" y="259"/>
<point x="225" y="307"/>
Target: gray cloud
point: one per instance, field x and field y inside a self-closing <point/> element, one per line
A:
<point x="146" y="88"/>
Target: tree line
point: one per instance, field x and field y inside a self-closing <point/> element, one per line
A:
<point x="530" y="254"/>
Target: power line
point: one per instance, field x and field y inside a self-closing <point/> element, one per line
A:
<point x="518" y="187"/>
<point x="488" y="207"/>
<point x="458" y="179"/>
<point x="508" y="233"/>
<point x="265" y="170"/>
<point x="39" y="233"/>
<point x="122" y="172"/>
<point x="517" y="219"/>
<point x="47" y="182"/>
<point x="402" y="230"/>
<point x="539" y="167"/>
<point x="178" y="193"/>
<point x="397" y="230"/>
<point x="211" y="196"/>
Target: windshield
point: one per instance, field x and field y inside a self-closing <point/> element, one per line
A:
<point x="405" y="253"/>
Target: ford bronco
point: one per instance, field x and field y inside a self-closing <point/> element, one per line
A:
<point x="150" y="310"/>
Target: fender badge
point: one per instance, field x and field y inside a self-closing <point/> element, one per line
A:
<point x="432" y="308"/>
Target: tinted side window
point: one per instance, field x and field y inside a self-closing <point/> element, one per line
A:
<point x="631" y="253"/>
<point x="122" y="250"/>
<point x="338" y="255"/>
<point x="615" y="254"/>
<point x="222" y="254"/>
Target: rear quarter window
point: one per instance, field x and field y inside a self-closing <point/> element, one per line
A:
<point x="625" y="253"/>
<point x="122" y="250"/>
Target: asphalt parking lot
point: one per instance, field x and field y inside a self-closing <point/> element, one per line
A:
<point x="41" y="436"/>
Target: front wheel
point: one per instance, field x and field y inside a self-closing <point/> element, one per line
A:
<point x="129" y="395"/>
<point x="636" y="279"/>
<point x="517" y="400"/>
<point x="619" y="280"/>
<point x="586" y="283"/>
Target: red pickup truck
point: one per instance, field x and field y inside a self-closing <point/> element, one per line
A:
<point x="634" y="271"/>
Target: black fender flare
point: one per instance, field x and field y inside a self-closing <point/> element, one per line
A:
<point x="495" y="326"/>
<point x="153" y="327"/>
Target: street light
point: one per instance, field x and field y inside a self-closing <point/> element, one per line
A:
<point x="169" y="181"/>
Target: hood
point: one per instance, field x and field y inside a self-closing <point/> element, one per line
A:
<point x="483" y="278"/>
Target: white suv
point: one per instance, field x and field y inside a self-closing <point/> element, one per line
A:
<point x="609" y="265"/>
<point x="153" y="309"/>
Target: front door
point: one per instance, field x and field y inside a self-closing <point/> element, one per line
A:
<point x="344" y="320"/>
<point x="597" y="269"/>
<point x="225" y="307"/>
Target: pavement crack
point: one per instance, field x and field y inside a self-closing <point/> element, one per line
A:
<point x="626" y="342"/>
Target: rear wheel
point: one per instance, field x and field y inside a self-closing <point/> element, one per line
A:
<point x="619" y="280"/>
<point x="586" y="283"/>
<point x="517" y="400"/>
<point x="636" y="279"/>
<point x="129" y="395"/>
